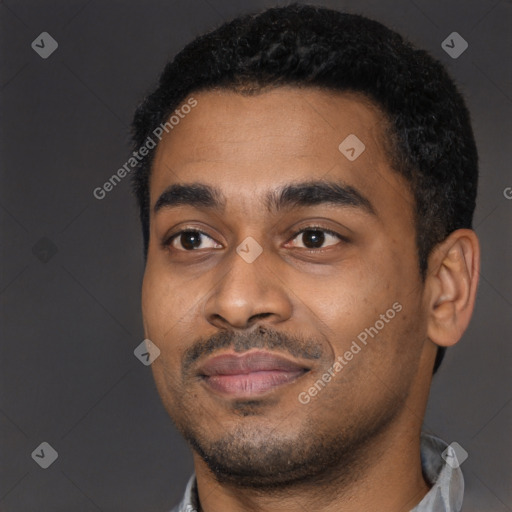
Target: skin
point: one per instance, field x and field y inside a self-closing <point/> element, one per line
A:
<point x="355" y="445"/>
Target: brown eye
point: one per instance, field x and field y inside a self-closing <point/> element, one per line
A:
<point x="190" y="240"/>
<point x="315" y="238"/>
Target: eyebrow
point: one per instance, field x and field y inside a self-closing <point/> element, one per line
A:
<point x="293" y="195"/>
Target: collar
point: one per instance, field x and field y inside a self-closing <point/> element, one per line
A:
<point x="446" y="478"/>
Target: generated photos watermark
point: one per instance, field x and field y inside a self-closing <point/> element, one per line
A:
<point x="150" y="143"/>
<point x="362" y="340"/>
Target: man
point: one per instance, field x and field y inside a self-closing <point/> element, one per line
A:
<point x="306" y="182"/>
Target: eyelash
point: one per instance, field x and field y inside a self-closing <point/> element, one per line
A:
<point x="168" y="241"/>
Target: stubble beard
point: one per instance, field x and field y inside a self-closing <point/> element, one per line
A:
<point x="266" y="459"/>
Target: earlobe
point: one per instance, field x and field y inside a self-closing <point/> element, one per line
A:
<point x="454" y="269"/>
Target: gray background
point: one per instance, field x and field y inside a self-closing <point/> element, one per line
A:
<point x="72" y="264"/>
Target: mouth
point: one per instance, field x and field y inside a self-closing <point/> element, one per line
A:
<point x="250" y="374"/>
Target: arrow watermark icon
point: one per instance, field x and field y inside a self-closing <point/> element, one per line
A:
<point x="454" y="45"/>
<point x="351" y="147"/>
<point x="146" y="352"/>
<point x="45" y="455"/>
<point x="44" y="45"/>
<point x="249" y="249"/>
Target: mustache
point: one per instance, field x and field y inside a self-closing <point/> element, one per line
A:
<point x="264" y="338"/>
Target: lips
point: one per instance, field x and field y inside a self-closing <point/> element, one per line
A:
<point x="249" y="374"/>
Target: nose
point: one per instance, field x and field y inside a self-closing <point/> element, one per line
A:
<point x="248" y="293"/>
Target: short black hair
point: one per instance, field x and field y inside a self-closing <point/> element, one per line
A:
<point x="300" y="45"/>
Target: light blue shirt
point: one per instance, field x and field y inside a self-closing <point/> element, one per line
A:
<point x="446" y="479"/>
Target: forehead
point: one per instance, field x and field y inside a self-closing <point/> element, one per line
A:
<point x="247" y="145"/>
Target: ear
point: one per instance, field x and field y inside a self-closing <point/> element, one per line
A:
<point x="451" y="283"/>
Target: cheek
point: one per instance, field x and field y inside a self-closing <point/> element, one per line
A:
<point x="161" y="312"/>
<point x="153" y="305"/>
<point x="377" y="304"/>
<point x="353" y="300"/>
<point x="168" y="308"/>
<point x="162" y="306"/>
<point x="379" y="364"/>
<point x="394" y="353"/>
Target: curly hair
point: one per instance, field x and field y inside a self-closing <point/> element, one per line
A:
<point x="429" y="127"/>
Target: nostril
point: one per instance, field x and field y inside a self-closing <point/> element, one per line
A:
<point x="259" y="316"/>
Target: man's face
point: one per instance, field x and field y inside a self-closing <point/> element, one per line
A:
<point x="252" y="313"/>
